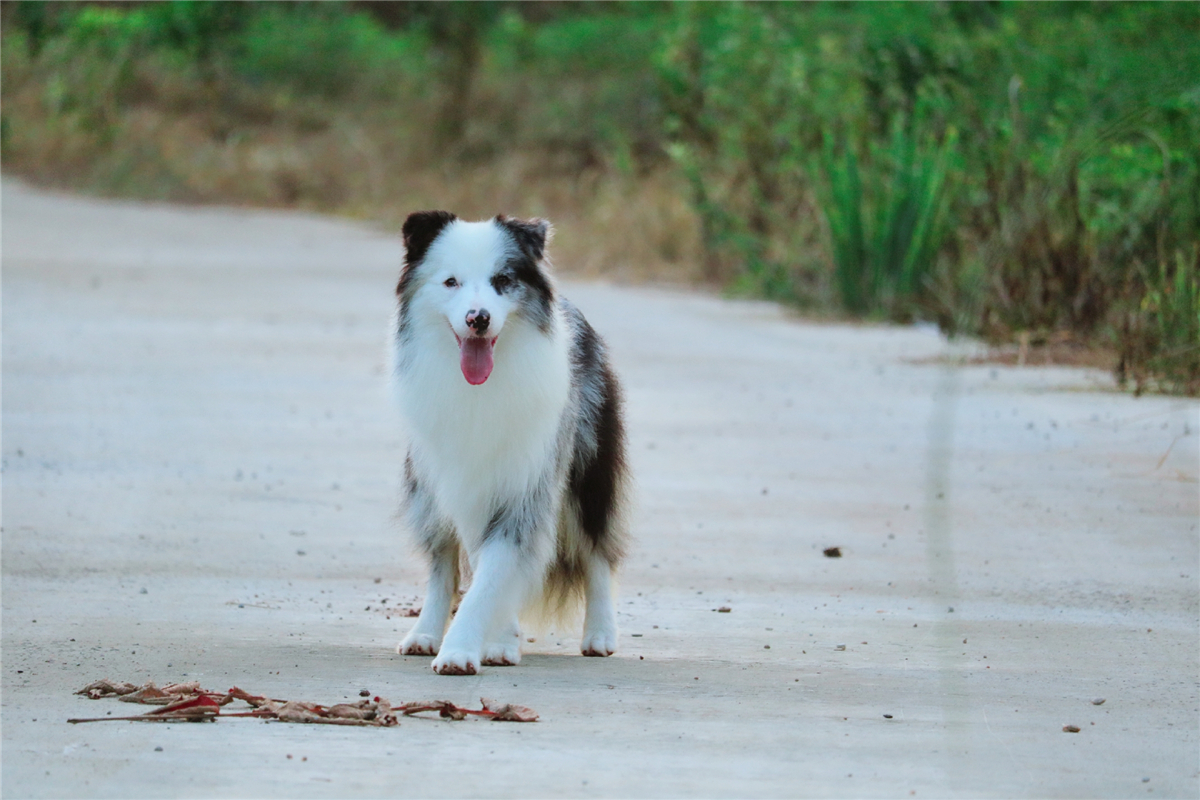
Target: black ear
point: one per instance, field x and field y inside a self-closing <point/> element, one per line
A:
<point x="420" y="229"/>
<point x="531" y="234"/>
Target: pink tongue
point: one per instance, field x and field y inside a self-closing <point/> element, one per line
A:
<point x="476" y="357"/>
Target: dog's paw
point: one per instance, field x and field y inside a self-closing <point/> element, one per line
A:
<point x="456" y="662"/>
<point x="502" y="654"/>
<point x="419" y="644"/>
<point x="599" y="643"/>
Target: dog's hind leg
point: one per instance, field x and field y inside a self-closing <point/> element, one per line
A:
<point x="600" y="620"/>
<point x="425" y="639"/>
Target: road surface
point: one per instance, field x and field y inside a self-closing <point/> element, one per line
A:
<point x="200" y="471"/>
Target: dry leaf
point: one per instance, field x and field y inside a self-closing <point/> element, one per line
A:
<point x="506" y="712"/>
<point x="188" y="701"/>
<point x="150" y="694"/>
<point x="196" y="707"/>
<point x="106" y="688"/>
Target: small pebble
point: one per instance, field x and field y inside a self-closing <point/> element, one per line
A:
<point x="143" y="591"/>
<point x="1145" y="780"/>
<point x="766" y="647"/>
<point x="159" y="750"/>
<point x="1070" y="729"/>
<point x="840" y="647"/>
<point x="1097" y="701"/>
<point x="364" y="693"/>
<point x="832" y="552"/>
<point x="887" y="716"/>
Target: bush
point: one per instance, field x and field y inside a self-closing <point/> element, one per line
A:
<point x="1015" y="171"/>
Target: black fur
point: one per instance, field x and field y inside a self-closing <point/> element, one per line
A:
<point x="526" y="264"/>
<point x="530" y="235"/>
<point x="419" y="231"/>
<point x="597" y="473"/>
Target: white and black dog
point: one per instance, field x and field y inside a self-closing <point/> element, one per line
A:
<point x="516" y="443"/>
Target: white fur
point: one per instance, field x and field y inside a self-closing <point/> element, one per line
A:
<point x="475" y="445"/>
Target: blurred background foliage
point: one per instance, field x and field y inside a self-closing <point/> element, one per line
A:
<point x="1022" y="172"/>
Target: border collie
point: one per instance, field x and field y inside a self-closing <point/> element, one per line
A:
<point x="516" y="460"/>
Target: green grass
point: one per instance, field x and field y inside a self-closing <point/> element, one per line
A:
<point x="1008" y="170"/>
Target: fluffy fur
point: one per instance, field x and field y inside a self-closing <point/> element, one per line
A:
<point x="516" y="445"/>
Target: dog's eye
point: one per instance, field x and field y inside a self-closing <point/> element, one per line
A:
<point x="450" y="283"/>
<point x="501" y="282"/>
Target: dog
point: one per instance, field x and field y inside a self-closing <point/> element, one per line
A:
<point x="516" y="455"/>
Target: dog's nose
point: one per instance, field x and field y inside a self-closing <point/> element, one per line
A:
<point x="479" y="320"/>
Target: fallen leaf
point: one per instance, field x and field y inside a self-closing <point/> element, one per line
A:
<point x="189" y="702"/>
<point x="197" y="706"/>
<point x="150" y="694"/>
<point x="106" y="688"/>
<point x="505" y="712"/>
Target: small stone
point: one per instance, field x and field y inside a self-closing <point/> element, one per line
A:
<point x="158" y="749"/>
<point x="832" y="552"/>
<point x="143" y="591"/>
<point x="299" y="553"/>
<point x="1070" y="729"/>
<point x="1145" y="780"/>
<point x="1097" y="701"/>
<point x="887" y="716"/>
<point x="840" y="647"/>
<point x="364" y="693"/>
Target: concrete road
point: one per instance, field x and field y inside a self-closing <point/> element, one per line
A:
<point x="200" y="472"/>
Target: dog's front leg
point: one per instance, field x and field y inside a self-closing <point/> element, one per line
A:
<point x="497" y="590"/>
<point x="425" y="639"/>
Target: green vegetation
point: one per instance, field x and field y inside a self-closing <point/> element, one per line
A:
<point x="1023" y="171"/>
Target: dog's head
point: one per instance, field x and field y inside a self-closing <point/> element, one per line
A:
<point x="479" y="277"/>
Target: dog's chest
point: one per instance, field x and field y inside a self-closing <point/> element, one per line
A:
<point x="479" y="445"/>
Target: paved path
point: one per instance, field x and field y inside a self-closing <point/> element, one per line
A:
<point x="200" y="471"/>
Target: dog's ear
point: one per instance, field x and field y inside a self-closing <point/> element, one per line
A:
<point x="530" y="234"/>
<point x="420" y="229"/>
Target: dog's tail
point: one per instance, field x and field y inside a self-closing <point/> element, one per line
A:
<point x="560" y="604"/>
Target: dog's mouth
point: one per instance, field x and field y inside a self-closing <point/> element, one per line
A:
<point x="475" y="357"/>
